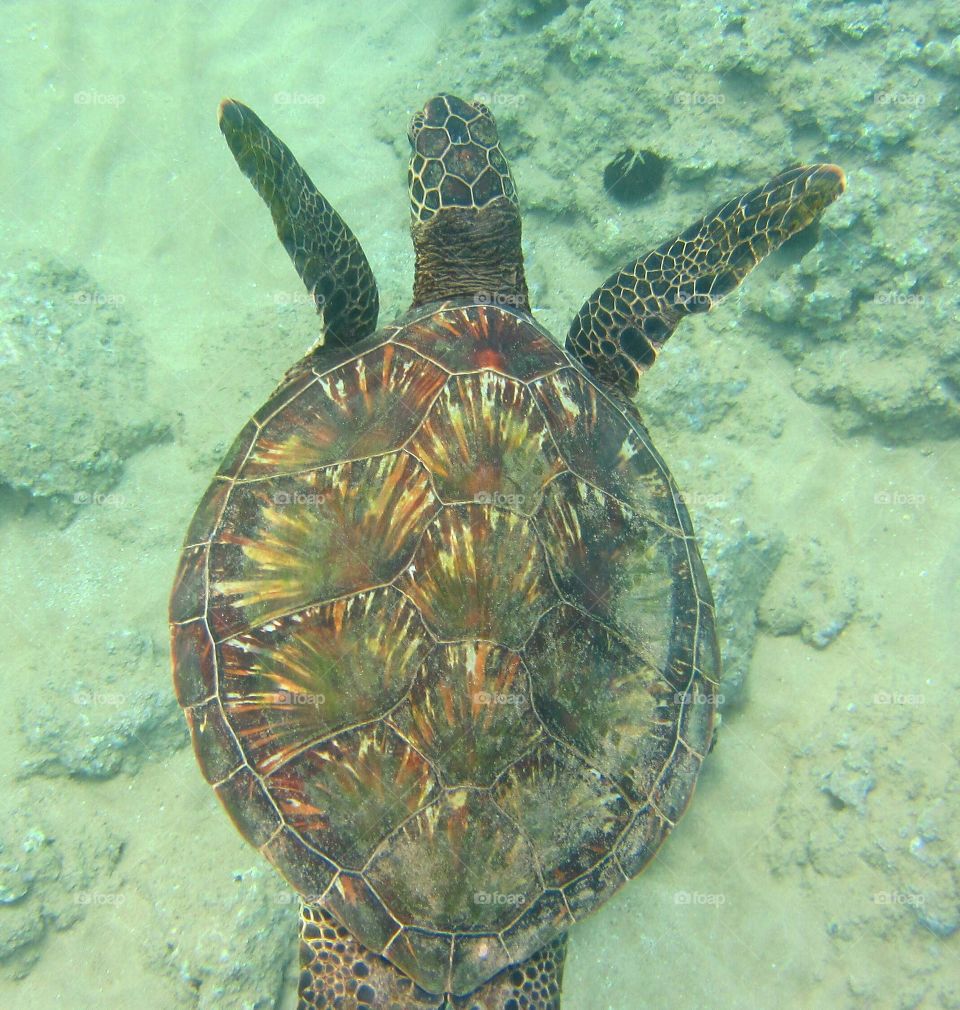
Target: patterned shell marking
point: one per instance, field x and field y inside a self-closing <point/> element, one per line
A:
<point x="443" y="639"/>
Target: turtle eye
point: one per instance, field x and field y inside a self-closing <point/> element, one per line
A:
<point x="482" y="109"/>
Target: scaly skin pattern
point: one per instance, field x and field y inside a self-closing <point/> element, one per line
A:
<point x="620" y="329"/>
<point x="465" y="216"/>
<point x="337" y="971"/>
<point x="325" y="252"/>
<point x="456" y="159"/>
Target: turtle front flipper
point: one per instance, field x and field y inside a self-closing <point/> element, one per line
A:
<point x="619" y="331"/>
<point x="325" y="252"/>
<point x="336" y="970"/>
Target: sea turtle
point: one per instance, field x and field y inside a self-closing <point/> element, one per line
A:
<point x="440" y="627"/>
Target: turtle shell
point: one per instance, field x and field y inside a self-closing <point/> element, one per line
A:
<point x="445" y="643"/>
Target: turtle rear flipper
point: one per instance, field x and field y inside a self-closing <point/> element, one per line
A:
<point x="336" y="970"/>
<point x="619" y="331"/>
<point x="325" y="252"/>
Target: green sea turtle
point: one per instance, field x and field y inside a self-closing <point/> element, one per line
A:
<point x="441" y="630"/>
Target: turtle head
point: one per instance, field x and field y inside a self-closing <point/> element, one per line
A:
<point x="465" y="214"/>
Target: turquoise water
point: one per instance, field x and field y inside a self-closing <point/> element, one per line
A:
<point x="812" y="421"/>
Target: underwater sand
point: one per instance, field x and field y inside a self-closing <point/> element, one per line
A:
<point x="818" y="864"/>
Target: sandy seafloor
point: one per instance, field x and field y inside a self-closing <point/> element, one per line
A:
<point x="813" y="420"/>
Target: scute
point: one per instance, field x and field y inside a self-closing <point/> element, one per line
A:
<point x="250" y="806"/>
<point x="424" y="955"/>
<point x="368" y="405"/>
<point x="445" y="643"/>
<point x="469" y="712"/>
<point x="287" y="542"/>
<point x="480" y="572"/>
<point x="355" y="904"/>
<point x="627" y="578"/>
<point x="345" y="795"/>
<point x="485" y="441"/>
<point x="606" y="448"/>
<point x="599" y="694"/>
<point x="298" y="679"/>
<point x="572" y="814"/>
<point x="459" y="865"/>
<point x="467" y="338"/>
